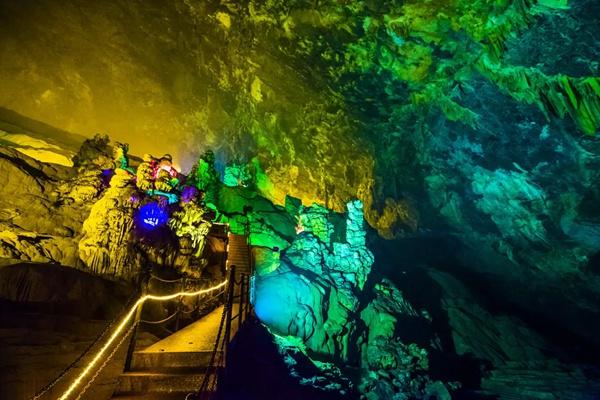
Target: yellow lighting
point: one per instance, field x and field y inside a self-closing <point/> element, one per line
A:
<point x="122" y="325"/>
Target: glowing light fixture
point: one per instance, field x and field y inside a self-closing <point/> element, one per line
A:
<point x="152" y="215"/>
<point x="122" y="326"/>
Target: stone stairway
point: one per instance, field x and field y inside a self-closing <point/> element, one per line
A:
<point x="239" y="255"/>
<point x="174" y="366"/>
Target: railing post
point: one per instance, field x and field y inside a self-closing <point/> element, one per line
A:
<point x="242" y="299"/>
<point x="136" y="322"/>
<point x="179" y="304"/>
<point x="196" y="313"/>
<point x="249" y="250"/>
<point x="229" y="304"/>
<point x="226" y="256"/>
<point x="248" y="305"/>
<point x="249" y="276"/>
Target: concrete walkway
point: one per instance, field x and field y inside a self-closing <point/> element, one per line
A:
<point x="176" y="365"/>
<point x="198" y="336"/>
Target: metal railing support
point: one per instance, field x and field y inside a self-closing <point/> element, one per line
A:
<point x="179" y="305"/>
<point x="138" y="316"/>
<point x="229" y="304"/>
<point x="248" y="305"/>
<point x="242" y="300"/>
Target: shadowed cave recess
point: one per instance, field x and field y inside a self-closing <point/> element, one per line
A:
<point x="418" y="182"/>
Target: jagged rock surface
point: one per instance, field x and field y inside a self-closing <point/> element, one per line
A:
<point x="42" y="209"/>
<point x="314" y="293"/>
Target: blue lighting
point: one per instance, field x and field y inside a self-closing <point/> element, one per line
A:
<point x="152" y="215"/>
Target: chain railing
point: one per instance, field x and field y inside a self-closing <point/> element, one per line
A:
<point x="183" y="285"/>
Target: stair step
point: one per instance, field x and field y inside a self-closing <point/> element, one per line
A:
<point x="153" y="382"/>
<point x="151" y="396"/>
<point x="152" y="360"/>
<point x="161" y="396"/>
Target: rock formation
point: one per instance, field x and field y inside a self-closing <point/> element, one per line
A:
<point x="106" y="245"/>
<point x="467" y="131"/>
<point x="314" y="290"/>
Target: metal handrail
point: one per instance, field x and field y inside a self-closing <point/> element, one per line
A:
<point x="175" y="316"/>
<point x="158" y="278"/>
<point x="129" y="324"/>
<point x="223" y="340"/>
<point x="186" y="278"/>
<point x="162" y="321"/>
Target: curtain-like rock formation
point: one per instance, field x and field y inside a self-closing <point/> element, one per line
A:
<point x="105" y="247"/>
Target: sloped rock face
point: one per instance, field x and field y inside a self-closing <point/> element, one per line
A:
<point x="520" y="361"/>
<point x="41" y="215"/>
<point x="49" y="316"/>
<point x="64" y="290"/>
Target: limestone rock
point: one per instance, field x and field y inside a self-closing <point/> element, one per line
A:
<point x="36" y="224"/>
<point x="496" y="338"/>
<point x="19" y="177"/>
<point x="314" y="219"/>
<point x="324" y="280"/>
<point x="105" y="247"/>
<point x="383" y="352"/>
<point x="191" y="222"/>
<point x="289" y="303"/>
<point x="265" y="260"/>
<point x="83" y="188"/>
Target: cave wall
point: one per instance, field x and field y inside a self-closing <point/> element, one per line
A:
<point x="334" y="99"/>
<point x="454" y="119"/>
<point x="187" y="76"/>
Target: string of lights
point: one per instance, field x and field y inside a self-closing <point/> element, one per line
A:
<point x="106" y="361"/>
<point x="106" y="330"/>
<point x="121" y="326"/>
